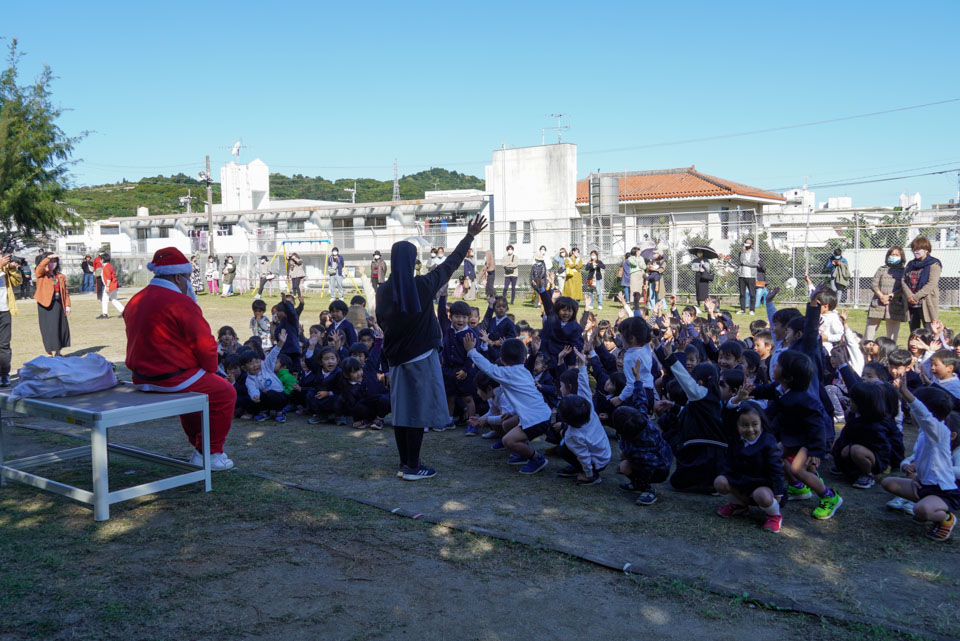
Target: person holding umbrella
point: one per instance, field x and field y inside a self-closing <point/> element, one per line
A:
<point x="702" y="255"/>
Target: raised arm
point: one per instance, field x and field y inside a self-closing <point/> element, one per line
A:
<point x="444" y="271"/>
<point x="691" y="388"/>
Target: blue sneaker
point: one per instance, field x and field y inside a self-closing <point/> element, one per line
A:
<point x="569" y="472"/>
<point x="281" y="417"/>
<point x="471" y="431"/>
<point x="534" y="465"/>
<point x="260" y="417"/>
<point x="418" y="474"/>
<point x="516" y="459"/>
<point x="498" y="445"/>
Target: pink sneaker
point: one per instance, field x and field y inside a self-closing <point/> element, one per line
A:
<point x="733" y="509"/>
<point x="771" y="523"/>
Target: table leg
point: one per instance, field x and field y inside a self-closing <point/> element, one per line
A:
<point x="205" y="423"/>
<point x="101" y="481"/>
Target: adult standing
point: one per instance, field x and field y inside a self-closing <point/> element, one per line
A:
<point x="704" y="274"/>
<point x="9" y="278"/>
<point x="265" y="274"/>
<point x="655" y="269"/>
<point x="469" y="277"/>
<point x="378" y="270"/>
<point x="87" y="268"/>
<point x="229" y="273"/>
<point x="921" y="284"/>
<point x="53" y="304"/>
<point x="196" y="276"/>
<point x="637" y="267"/>
<point x="624" y="275"/>
<point x="98" y="273"/>
<point x="170" y="348"/>
<point x="559" y="268"/>
<point x="335" y="273"/>
<point x="511" y="268"/>
<point x="26" y="275"/>
<point x="839" y="272"/>
<point x="573" y="281"/>
<point x="889" y="303"/>
<point x="411" y="339"/>
<point x="490" y="267"/>
<point x="213" y="275"/>
<point x="749" y="259"/>
<point x="111" y="288"/>
<point x="296" y="273"/>
<point x="594" y="288"/>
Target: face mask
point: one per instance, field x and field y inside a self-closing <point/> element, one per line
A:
<point x="836" y="256"/>
<point x="748" y="246"/>
<point x="433" y="255"/>
<point x="509" y="252"/>
<point x="894" y="260"/>
<point x="335" y="254"/>
<point x="376" y="256"/>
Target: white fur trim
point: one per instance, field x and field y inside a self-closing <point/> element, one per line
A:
<point x="169" y="270"/>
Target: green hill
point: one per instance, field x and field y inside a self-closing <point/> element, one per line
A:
<point x="160" y="193"/>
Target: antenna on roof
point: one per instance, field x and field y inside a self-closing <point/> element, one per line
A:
<point x="236" y="147"/>
<point x="560" y="127"/>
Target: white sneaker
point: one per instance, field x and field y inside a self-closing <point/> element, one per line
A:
<point x="219" y="462"/>
<point x="196" y="459"/>
<point x="907" y="507"/>
<point x="752" y="314"/>
<point x="490" y="434"/>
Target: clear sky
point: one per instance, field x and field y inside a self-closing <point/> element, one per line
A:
<point x="341" y="89"/>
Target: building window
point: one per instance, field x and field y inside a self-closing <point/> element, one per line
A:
<point x="724" y="223"/>
<point x="74" y="231"/>
<point x="779" y="238"/>
<point x="512" y="239"/>
<point x="527" y="232"/>
<point x="224" y="229"/>
<point x="576" y="232"/>
<point x="75" y="248"/>
<point x="110" y="230"/>
<point x="376" y="222"/>
<point x="268" y="227"/>
<point x="164" y="232"/>
<point x="143" y="233"/>
<point x="343" y="233"/>
<point x="294" y="225"/>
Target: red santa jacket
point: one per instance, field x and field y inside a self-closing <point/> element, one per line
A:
<point x="110" y="274"/>
<point x="168" y="340"/>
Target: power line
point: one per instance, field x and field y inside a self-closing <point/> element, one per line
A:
<point x="883" y="180"/>
<point x="842" y="180"/>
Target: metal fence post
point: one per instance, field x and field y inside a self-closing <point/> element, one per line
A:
<point x="673" y="251"/>
<point x="856" y="254"/>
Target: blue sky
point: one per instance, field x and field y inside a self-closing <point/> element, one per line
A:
<point x="341" y="89"/>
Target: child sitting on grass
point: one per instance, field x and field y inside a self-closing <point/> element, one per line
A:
<point x="645" y="457"/>
<point x="517" y="383"/>
<point x="585" y="446"/>
<point x="933" y="488"/>
<point x="753" y="471"/>
<point x="263" y="386"/>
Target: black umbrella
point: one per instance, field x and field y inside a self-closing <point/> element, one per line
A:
<point x="708" y="252"/>
<point x="648" y="253"/>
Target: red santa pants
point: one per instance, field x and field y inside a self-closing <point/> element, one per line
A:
<point x="221" y="398"/>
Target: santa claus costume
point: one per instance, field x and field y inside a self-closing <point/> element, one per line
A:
<point x="170" y="348"/>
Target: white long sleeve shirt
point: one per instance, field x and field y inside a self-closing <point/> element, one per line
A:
<point x="265" y="380"/>
<point x="645" y="356"/>
<point x="831" y="327"/>
<point x="518" y="388"/>
<point x="589" y="442"/>
<point x="931" y="454"/>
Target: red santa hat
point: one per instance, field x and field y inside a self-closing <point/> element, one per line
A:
<point x="168" y="261"/>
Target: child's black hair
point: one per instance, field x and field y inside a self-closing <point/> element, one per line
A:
<point x="474" y="310"/>
<point x="523" y="326"/>
<point x="953" y="424"/>
<point x="796" y="324"/>
<point x="885" y="347"/>
<point x="923" y="334"/>
<point x="690" y="309"/>
<point x="358" y="300"/>
<point x="827" y="296"/>
<point x="246" y="356"/>
<point x="359" y="348"/>
<point x="635" y="331"/>
<point x="543" y="357"/>
<point x="754" y="362"/>
<point x="513" y="351"/>
<point x="784" y="316"/>
<point x="870" y="400"/>
<point x="259" y="306"/>
<point x="256" y="345"/>
<point x="230" y="362"/>
<point x="879" y="370"/>
<point x="349" y="366"/>
<point x="675" y="392"/>
<point x="460" y="308"/>
<point x="757" y="326"/>
<point x="338" y="306"/>
<point x="899" y="358"/>
<point x="706" y="374"/>
<point x="733" y="378"/>
<point x="734" y="348"/>
<point x="485" y="383"/>
<point x="752" y="407"/>
<point x="628" y="422"/>
<point x="696" y="351"/>
<point x="565" y="302"/>
<point x="500" y="299"/>
<point x="948" y="357"/>
<point x="323" y="351"/>
<point x="285" y="361"/>
<point x="764" y="335"/>
<point x="619" y="380"/>
<point x="570" y="378"/>
<point x="936" y="399"/>
<point x="223" y="330"/>
<point x="574" y="410"/>
<point x="797" y="368"/>
<point x="366" y="331"/>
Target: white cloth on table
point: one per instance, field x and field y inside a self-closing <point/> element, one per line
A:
<point x="54" y="376"/>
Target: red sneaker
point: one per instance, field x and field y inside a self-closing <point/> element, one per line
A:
<point x="733" y="509"/>
<point x="772" y="523"/>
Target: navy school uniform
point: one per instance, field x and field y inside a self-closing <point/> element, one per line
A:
<point x="371" y="368"/>
<point x="811" y="345"/>
<point x="649" y="455"/>
<point x="893" y="434"/>
<point x="497" y="329"/>
<point x="292" y="345"/>
<point x="360" y="403"/>
<point x="453" y="356"/>
<point x="758" y="464"/>
<point x="545" y="383"/>
<point x="307" y="380"/>
<point x="796" y="420"/>
<point x="345" y="326"/>
<point x="869" y="434"/>
<point x="325" y="382"/>
<point x="601" y="404"/>
<point x="556" y="334"/>
<point x="243" y="396"/>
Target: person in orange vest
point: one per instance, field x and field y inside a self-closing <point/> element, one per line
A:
<point x="110" y="288"/>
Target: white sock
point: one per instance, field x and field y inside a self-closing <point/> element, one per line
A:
<point x="773" y="510"/>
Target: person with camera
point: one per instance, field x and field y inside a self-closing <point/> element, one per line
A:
<point x="9" y="278"/>
<point x="839" y="272"/>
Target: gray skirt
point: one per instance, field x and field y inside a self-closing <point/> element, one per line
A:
<point x="417" y="396"/>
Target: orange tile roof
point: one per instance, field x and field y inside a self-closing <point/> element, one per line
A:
<point x="685" y="182"/>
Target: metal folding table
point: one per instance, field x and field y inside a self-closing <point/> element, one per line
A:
<point x="99" y="411"/>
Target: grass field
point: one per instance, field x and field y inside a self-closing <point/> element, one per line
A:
<point x="258" y="559"/>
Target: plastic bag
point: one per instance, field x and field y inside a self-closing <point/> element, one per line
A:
<point x="51" y="377"/>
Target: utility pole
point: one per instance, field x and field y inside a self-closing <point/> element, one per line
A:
<point x="204" y="176"/>
<point x="396" y="181"/>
